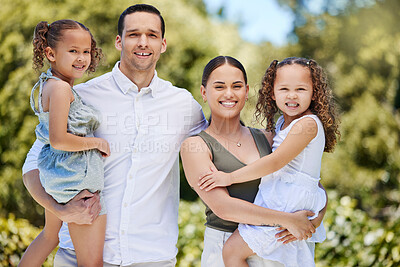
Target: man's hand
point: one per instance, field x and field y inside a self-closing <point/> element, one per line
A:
<point x="82" y="209"/>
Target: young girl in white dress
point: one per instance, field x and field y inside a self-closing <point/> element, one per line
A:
<point x="71" y="159"/>
<point x="308" y="127"/>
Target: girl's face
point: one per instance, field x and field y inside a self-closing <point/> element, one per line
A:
<point x="293" y="90"/>
<point x="226" y="92"/>
<point x="71" y="57"/>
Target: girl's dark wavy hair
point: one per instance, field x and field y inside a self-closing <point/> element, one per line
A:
<point x="48" y="35"/>
<point x="322" y="103"/>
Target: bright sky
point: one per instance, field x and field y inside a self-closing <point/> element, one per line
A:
<point x="262" y="20"/>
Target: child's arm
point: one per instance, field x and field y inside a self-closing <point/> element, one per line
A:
<point x="59" y="96"/>
<point x="298" y="138"/>
<point x="196" y="159"/>
<point x="318" y="220"/>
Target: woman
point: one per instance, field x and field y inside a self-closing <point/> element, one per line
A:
<point x="227" y="145"/>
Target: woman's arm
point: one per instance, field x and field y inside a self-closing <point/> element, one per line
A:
<point x="297" y="139"/>
<point x="59" y="96"/>
<point x="196" y="159"/>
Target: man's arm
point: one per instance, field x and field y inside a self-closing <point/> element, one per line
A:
<point x="197" y="120"/>
<point x="82" y="209"/>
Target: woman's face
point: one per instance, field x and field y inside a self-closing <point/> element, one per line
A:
<point x="226" y="92"/>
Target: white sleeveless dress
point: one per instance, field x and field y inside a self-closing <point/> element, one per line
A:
<point x="292" y="188"/>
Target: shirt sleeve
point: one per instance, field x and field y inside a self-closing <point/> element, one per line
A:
<point x="197" y="120"/>
<point x="32" y="156"/>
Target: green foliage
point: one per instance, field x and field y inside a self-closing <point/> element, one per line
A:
<point x="15" y="237"/>
<point x="191" y="233"/>
<point x="356" y="239"/>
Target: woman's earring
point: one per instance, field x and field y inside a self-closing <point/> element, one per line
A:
<point x="204" y="100"/>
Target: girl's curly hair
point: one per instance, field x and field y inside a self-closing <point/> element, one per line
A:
<point x="322" y="104"/>
<point x="48" y="35"/>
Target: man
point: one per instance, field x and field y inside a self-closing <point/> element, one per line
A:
<point x="145" y="119"/>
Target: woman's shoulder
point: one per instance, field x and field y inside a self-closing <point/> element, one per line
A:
<point x="193" y="142"/>
<point x="263" y="132"/>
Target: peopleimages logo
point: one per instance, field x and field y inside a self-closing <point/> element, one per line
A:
<point x="155" y="123"/>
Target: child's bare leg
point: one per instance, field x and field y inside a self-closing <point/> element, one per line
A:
<point x="44" y="243"/>
<point x="88" y="241"/>
<point x="236" y="251"/>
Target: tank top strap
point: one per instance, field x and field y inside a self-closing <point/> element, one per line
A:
<point x="261" y="141"/>
<point x="42" y="79"/>
<point x="76" y="95"/>
<point x="211" y="142"/>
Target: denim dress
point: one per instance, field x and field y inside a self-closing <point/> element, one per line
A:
<point x="64" y="174"/>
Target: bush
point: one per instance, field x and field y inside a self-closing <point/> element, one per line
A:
<point x="15" y="237"/>
<point x="353" y="238"/>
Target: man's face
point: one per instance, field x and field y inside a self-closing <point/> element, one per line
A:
<point x="141" y="42"/>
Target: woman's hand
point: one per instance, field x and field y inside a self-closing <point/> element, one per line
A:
<point x="285" y="236"/>
<point x="104" y="147"/>
<point x="298" y="226"/>
<point x="214" y="179"/>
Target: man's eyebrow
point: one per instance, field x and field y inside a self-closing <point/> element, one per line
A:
<point x="137" y="30"/>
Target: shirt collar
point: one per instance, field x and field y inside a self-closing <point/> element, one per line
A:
<point x="125" y="84"/>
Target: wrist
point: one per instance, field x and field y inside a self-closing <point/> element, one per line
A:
<point x="231" y="179"/>
<point x="93" y="143"/>
<point x="287" y="220"/>
<point x="58" y="210"/>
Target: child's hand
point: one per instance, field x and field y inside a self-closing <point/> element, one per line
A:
<point x="103" y="147"/>
<point x="214" y="179"/>
<point x="317" y="221"/>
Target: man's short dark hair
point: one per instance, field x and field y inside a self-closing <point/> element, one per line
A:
<point x="139" y="8"/>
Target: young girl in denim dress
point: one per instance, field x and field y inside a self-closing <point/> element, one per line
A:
<point x="71" y="159"/>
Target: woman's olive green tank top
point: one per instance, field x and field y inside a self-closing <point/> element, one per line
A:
<point x="227" y="162"/>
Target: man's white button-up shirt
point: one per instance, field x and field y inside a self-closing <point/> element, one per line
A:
<point x="145" y="130"/>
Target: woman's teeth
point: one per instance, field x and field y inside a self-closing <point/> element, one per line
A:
<point x="228" y="104"/>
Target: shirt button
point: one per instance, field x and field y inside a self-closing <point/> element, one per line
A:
<point x="123" y="232"/>
<point x="130" y="176"/>
<point x="125" y="205"/>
